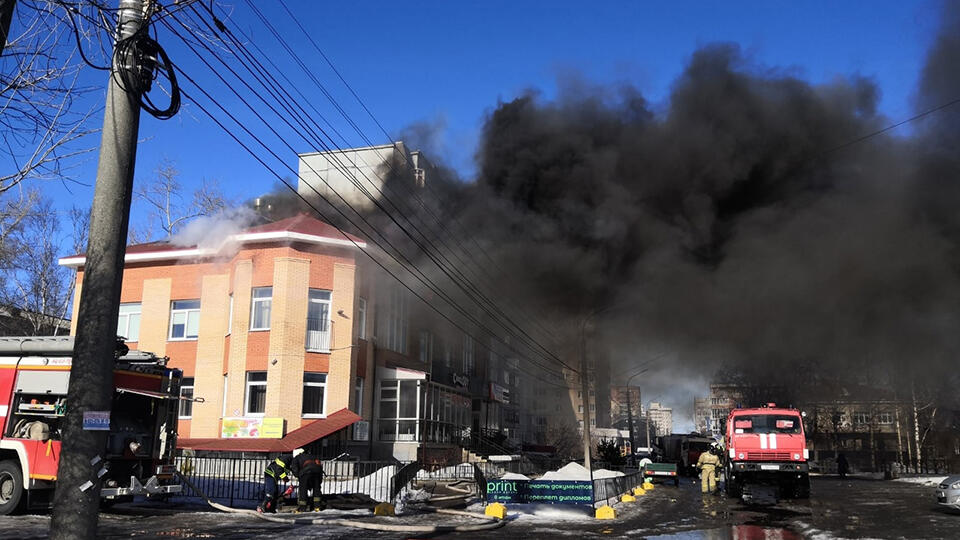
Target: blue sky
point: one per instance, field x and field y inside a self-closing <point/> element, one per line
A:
<point x="447" y="64"/>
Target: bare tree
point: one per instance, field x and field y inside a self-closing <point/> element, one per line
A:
<point x="44" y="118"/>
<point x="36" y="289"/>
<point x="168" y="209"/>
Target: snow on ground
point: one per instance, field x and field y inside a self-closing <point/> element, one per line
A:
<point x="922" y="480"/>
<point x="514" y="476"/>
<point x="813" y="533"/>
<point x="542" y="512"/>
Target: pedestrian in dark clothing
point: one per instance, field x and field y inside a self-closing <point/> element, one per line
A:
<point x="842" y="465"/>
<point x="309" y="472"/>
<point x="277" y="471"/>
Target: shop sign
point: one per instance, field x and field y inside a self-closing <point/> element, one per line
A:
<point x="540" y="491"/>
<point x="461" y="380"/>
<point x="361" y="431"/>
<point x="252" y="428"/>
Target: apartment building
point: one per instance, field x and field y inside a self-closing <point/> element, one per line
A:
<point x="711" y="412"/>
<point x="661" y="418"/>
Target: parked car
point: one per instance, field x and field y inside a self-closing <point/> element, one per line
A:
<point x="948" y="492"/>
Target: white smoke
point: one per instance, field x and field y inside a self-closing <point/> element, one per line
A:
<point x="211" y="232"/>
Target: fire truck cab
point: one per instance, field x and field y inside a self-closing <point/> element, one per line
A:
<point x="766" y="447"/>
<point x="138" y="457"/>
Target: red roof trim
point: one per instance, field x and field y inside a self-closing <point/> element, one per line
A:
<point x="305" y="435"/>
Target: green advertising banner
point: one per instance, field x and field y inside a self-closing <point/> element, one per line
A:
<point x="540" y="491"/>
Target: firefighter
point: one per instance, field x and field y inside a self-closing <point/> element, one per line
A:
<point x="707" y="465"/>
<point x="277" y="471"/>
<point x="309" y="472"/>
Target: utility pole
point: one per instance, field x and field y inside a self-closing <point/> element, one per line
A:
<point x="633" y="449"/>
<point x="585" y="389"/>
<point x="6" y="16"/>
<point x="77" y="498"/>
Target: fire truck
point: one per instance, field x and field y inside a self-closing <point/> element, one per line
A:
<point x="767" y="454"/>
<point x="141" y="425"/>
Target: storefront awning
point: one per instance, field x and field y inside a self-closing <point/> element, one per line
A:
<point x="297" y="438"/>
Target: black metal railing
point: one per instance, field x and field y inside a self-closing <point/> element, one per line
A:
<point x="608" y="488"/>
<point x="233" y="479"/>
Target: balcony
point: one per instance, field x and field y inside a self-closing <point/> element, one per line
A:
<point x="319" y="335"/>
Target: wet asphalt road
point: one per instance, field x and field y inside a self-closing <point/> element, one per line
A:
<point x="837" y="509"/>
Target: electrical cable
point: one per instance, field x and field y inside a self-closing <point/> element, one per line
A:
<point x="384" y="131"/>
<point x="138" y="59"/>
<point x="293" y="189"/>
<point x="447" y="266"/>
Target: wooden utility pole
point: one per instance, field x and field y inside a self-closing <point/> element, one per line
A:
<point x="77" y="499"/>
<point x="6" y="16"/>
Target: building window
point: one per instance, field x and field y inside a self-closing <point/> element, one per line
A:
<point x="314" y="386"/>
<point x="392" y="323"/>
<point x="861" y="417"/>
<point x="358" y="395"/>
<point x="318" y="321"/>
<point x="230" y="317"/>
<point x="426" y="347"/>
<point x="399" y="406"/>
<point x="128" y="323"/>
<point x="361" y="318"/>
<point x="468" y="358"/>
<point x="255" y="402"/>
<point x="580" y="409"/>
<point x="186" y="397"/>
<point x="884" y="418"/>
<point x="260" y="308"/>
<point x="184" y="319"/>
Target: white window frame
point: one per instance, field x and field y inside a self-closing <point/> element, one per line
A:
<point x="223" y="406"/>
<point x="123" y="321"/>
<point x="192" y="387"/>
<point x="246" y="394"/>
<point x="254" y="301"/>
<point x="395" y="385"/>
<point x="188" y="312"/>
<point x="314" y="298"/>
<point x="361" y="317"/>
<point x="315" y="384"/>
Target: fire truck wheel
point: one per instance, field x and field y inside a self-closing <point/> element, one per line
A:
<point x="11" y="487"/>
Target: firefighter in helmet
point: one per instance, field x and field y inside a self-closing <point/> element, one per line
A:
<point x="707" y="464"/>
<point x="309" y="472"/>
<point x="276" y="472"/>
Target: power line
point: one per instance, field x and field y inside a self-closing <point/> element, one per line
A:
<point x="286" y="104"/>
<point x="283" y="180"/>
<point x="453" y="218"/>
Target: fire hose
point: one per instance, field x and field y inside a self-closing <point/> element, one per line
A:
<point x="490" y="522"/>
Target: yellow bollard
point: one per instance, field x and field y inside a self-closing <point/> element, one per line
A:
<point x="639" y="491"/>
<point x="496" y="510"/>
<point x="648" y="486"/>
<point x="627" y="498"/>
<point x="605" y="512"/>
<point x="384" y="509"/>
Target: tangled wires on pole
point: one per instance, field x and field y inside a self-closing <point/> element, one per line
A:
<point x="139" y="61"/>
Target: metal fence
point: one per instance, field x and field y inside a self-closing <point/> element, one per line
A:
<point x="232" y="479"/>
<point x="608" y="488"/>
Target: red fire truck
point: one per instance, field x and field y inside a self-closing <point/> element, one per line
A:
<point x="138" y="458"/>
<point x="767" y="453"/>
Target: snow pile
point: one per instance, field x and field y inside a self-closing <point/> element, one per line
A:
<point x="575" y="471"/>
<point x="542" y="512"/>
<point x="375" y="485"/>
<point x="514" y="476"/>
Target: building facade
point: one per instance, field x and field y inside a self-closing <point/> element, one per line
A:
<point x="661" y="418"/>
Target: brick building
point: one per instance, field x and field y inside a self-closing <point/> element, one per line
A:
<point x="288" y="333"/>
<point x="263" y="325"/>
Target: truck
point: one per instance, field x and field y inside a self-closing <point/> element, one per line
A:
<point x="141" y="423"/>
<point x="684" y="450"/>
<point x="766" y="454"/>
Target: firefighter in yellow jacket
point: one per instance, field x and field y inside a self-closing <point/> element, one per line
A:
<point x="707" y="465"/>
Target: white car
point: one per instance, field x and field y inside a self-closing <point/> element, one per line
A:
<point x="948" y="492"/>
